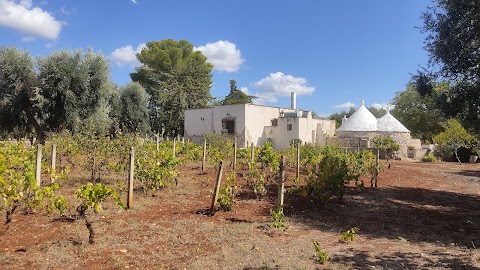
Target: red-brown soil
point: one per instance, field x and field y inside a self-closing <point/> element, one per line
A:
<point x="422" y="216"/>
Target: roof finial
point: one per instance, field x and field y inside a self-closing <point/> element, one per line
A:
<point x="362" y="102"/>
<point x="387" y="109"/>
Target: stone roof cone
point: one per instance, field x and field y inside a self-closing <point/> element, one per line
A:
<point x="361" y="120"/>
<point x="389" y="123"/>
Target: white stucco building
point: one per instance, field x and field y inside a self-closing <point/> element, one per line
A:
<point x="256" y="124"/>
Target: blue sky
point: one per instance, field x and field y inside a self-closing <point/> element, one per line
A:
<point x="331" y="53"/>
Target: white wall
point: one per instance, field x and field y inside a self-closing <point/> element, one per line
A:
<point x="253" y="124"/>
<point x="257" y="118"/>
<point x="202" y="121"/>
<point x="282" y="136"/>
<point x="198" y="122"/>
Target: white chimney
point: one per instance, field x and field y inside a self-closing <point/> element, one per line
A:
<point x="293" y="104"/>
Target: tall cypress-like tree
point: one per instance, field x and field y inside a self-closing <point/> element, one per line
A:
<point x="177" y="78"/>
<point x="236" y="96"/>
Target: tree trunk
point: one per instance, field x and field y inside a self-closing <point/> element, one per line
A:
<point x="9" y="213"/>
<point x="38" y="128"/>
<point x="91" y="234"/>
<point x="456" y="155"/>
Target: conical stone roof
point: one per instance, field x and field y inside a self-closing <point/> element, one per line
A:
<point x="361" y="120"/>
<point x="390" y="123"/>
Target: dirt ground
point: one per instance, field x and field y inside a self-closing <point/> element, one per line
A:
<point x="422" y="216"/>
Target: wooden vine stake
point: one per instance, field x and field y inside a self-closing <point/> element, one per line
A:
<point x="253" y="152"/>
<point x="54" y="163"/>
<point x="157" y="138"/>
<point x="377" y="167"/>
<point x="204" y="154"/>
<point x="281" y="183"/>
<point x="217" y="189"/>
<point x="298" y="161"/>
<point x="235" y="154"/>
<point x="173" y="150"/>
<point x="38" y="165"/>
<point x="130" y="179"/>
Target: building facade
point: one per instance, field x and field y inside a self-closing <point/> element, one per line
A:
<point x="256" y="124"/>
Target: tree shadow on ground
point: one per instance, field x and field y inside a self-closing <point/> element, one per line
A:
<point x="402" y="260"/>
<point x="469" y="173"/>
<point x="415" y="214"/>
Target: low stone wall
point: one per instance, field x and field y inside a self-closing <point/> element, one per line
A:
<point x="363" y="138"/>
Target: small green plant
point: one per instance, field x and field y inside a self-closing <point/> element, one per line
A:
<point x="320" y="254"/>
<point x="156" y="169"/>
<point x="227" y="194"/>
<point x="349" y="235"/>
<point x="18" y="186"/>
<point x="387" y="145"/>
<point x="60" y="204"/>
<point x="278" y="218"/>
<point x="92" y="198"/>
<point x="429" y="158"/>
<point x="268" y="157"/>
<point x="256" y="179"/>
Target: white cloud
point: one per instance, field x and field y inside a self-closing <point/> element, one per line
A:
<point x="126" y="56"/>
<point x="383" y="106"/>
<point x="260" y="99"/>
<point x="278" y="84"/>
<point x="134" y="1"/>
<point x="223" y="55"/>
<point x="346" y="105"/>
<point x="26" y="3"/>
<point x="34" y="22"/>
<point x="64" y="11"/>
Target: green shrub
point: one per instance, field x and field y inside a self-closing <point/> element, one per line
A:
<point x="331" y="176"/>
<point x="349" y="235"/>
<point x="269" y="157"/>
<point x="429" y="158"/>
<point x="227" y="194"/>
<point x="278" y="218"/>
<point x="219" y="147"/>
<point x="386" y="144"/>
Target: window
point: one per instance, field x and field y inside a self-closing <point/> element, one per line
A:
<point x="274" y="122"/>
<point x="229" y="126"/>
<point x="289" y="127"/>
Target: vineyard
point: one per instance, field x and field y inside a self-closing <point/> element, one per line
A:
<point x="91" y="202"/>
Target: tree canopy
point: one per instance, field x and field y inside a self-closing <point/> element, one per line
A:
<point x="420" y="114"/>
<point x="453" y="38"/>
<point x="177" y="78"/>
<point x="237" y="96"/>
<point x="75" y="87"/>
<point x="132" y="108"/>
<point x="66" y="90"/>
<point x="455" y="137"/>
<point x="19" y="97"/>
